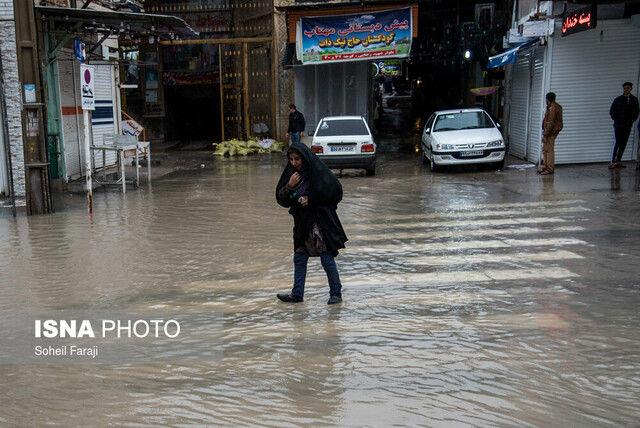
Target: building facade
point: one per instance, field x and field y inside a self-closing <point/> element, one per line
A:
<point x="586" y="70"/>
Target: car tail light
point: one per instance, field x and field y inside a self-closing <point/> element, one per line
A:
<point x="366" y="148"/>
<point x="317" y="149"/>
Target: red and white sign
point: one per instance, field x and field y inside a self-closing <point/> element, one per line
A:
<point x="338" y="57"/>
<point x="131" y="127"/>
<point x="87" y="86"/>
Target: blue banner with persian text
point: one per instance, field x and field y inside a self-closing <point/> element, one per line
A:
<point x="364" y="36"/>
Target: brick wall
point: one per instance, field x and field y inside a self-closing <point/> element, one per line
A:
<point x="12" y="94"/>
<point x="6" y="9"/>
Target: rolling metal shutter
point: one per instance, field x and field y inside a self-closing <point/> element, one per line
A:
<point x="72" y="147"/>
<point x="103" y="118"/>
<point x="587" y="73"/>
<point x="520" y="91"/>
<point x="347" y="93"/>
<point x="538" y="105"/>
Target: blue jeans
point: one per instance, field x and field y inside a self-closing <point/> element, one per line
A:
<point x="295" y="137"/>
<point x="300" y="273"/>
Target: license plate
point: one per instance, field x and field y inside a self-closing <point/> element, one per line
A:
<point x="472" y="153"/>
<point x="342" y="148"/>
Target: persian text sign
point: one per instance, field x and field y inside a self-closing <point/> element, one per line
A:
<point x="87" y="86"/>
<point x="385" y="34"/>
<point x="579" y="20"/>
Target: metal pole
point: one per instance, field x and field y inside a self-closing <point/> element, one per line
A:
<point x="5" y="135"/>
<point x="121" y="157"/>
<point x="87" y="157"/>
<point x="75" y="113"/>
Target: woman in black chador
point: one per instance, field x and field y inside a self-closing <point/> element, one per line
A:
<point x="312" y="192"/>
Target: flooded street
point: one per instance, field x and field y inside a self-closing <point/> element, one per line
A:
<point x="471" y="298"/>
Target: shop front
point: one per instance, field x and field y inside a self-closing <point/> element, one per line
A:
<point x="585" y="69"/>
<point x="333" y="72"/>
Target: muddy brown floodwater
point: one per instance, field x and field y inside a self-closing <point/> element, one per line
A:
<point x="470" y="298"/>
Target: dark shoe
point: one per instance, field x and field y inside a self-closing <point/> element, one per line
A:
<point x="620" y="165"/>
<point x="546" y="172"/>
<point x="612" y="165"/>
<point x="289" y="298"/>
<point x="333" y="300"/>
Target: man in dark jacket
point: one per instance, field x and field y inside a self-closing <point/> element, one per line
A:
<point x="296" y="124"/>
<point x="624" y="111"/>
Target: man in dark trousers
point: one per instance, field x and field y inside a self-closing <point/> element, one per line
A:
<point x="551" y="127"/>
<point x="296" y="124"/>
<point x="624" y="111"/>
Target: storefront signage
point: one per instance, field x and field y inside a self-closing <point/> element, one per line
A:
<point x="389" y="68"/>
<point x="30" y="93"/>
<point x="131" y="127"/>
<point x="80" y="50"/>
<point x="87" y="86"/>
<point x="485" y="90"/>
<point x="537" y="28"/>
<point x="385" y="34"/>
<point x="206" y="22"/>
<point x="580" y="20"/>
<point x="172" y="78"/>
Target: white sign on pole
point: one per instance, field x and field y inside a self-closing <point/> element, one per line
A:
<point x="87" y="86"/>
<point x="131" y="127"/>
<point x="537" y="28"/>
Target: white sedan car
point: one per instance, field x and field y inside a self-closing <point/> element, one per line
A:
<point x="464" y="136"/>
<point x="345" y="142"/>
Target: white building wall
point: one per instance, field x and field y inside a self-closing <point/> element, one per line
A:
<point x="12" y="95"/>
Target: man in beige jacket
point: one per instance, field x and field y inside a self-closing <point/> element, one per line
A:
<point x="551" y="127"/>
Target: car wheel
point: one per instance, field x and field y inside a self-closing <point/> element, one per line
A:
<point x="502" y="164"/>
<point x="371" y="171"/>
<point x="499" y="166"/>
<point x="425" y="159"/>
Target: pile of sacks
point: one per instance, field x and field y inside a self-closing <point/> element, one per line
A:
<point x="243" y="148"/>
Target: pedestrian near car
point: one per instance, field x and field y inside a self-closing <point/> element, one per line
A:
<point x="624" y="111"/>
<point x="296" y="124"/>
<point x="551" y="127"/>
<point x="312" y="193"/>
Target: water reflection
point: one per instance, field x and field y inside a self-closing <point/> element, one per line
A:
<point x="504" y="302"/>
<point x="615" y="179"/>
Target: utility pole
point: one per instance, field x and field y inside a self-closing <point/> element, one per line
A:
<point x="37" y="178"/>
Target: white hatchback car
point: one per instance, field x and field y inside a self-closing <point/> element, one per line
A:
<point x="465" y="136"/>
<point x="345" y="142"/>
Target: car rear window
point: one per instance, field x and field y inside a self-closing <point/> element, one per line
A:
<point x="330" y="128"/>
<point x="463" y="120"/>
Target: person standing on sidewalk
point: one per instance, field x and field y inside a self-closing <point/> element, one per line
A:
<point x="296" y="124"/>
<point x="551" y="127"/>
<point x="624" y="111"/>
<point x="312" y="193"/>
